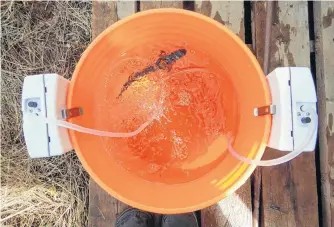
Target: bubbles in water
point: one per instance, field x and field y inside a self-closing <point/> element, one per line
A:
<point x="179" y="147"/>
<point x="153" y="168"/>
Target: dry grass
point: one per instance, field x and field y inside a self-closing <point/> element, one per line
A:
<point x="39" y="37"/>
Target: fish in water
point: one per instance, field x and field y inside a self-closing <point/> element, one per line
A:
<point x="167" y="60"/>
<point x="164" y="62"/>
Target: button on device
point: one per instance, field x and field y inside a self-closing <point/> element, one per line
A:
<point x="306" y="120"/>
<point x="32" y="104"/>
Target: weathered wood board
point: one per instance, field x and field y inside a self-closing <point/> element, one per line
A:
<point x="145" y="5"/>
<point x="103" y="208"/>
<point x="229" y="13"/>
<point x="235" y="210"/>
<point x="289" y="191"/>
<point x="324" y="50"/>
<point x="105" y="13"/>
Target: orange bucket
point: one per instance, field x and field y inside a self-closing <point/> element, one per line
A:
<point x="180" y="162"/>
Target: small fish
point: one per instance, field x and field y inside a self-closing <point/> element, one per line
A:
<point x="164" y="62"/>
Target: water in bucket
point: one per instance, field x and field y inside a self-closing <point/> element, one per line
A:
<point x="194" y="97"/>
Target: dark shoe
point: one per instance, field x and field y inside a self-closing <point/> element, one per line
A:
<point x="180" y="220"/>
<point x="135" y="218"/>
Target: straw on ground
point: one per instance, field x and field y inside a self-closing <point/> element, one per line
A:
<point x="39" y="37"/>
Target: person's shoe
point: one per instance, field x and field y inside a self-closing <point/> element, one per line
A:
<point x="179" y="220"/>
<point x="135" y="218"/>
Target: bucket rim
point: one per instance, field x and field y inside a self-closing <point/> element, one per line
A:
<point x="248" y="169"/>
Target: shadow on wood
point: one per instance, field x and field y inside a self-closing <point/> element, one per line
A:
<point x="233" y="211"/>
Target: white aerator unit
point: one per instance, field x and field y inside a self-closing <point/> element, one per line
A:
<point x="44" y="96"/>
<point x="293" y="94"/>
<point x="292" y="90"/>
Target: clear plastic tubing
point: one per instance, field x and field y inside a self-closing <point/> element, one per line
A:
<point x="272" y="162"/>
<point x="95" y="132"/>
<point x="277" y="161"/>
<point x="285" y="158"/>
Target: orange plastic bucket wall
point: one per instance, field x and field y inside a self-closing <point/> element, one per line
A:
<point x="245" y="74"/>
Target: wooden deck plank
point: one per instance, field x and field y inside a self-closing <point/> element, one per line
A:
<point x="103" y="208"/>
<point x="324" y="49"/>
<point x="229" y="13"/>
<point x="289" y="191"/>
<point x="145" y="5"/>
<point x="236" y="209"/>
